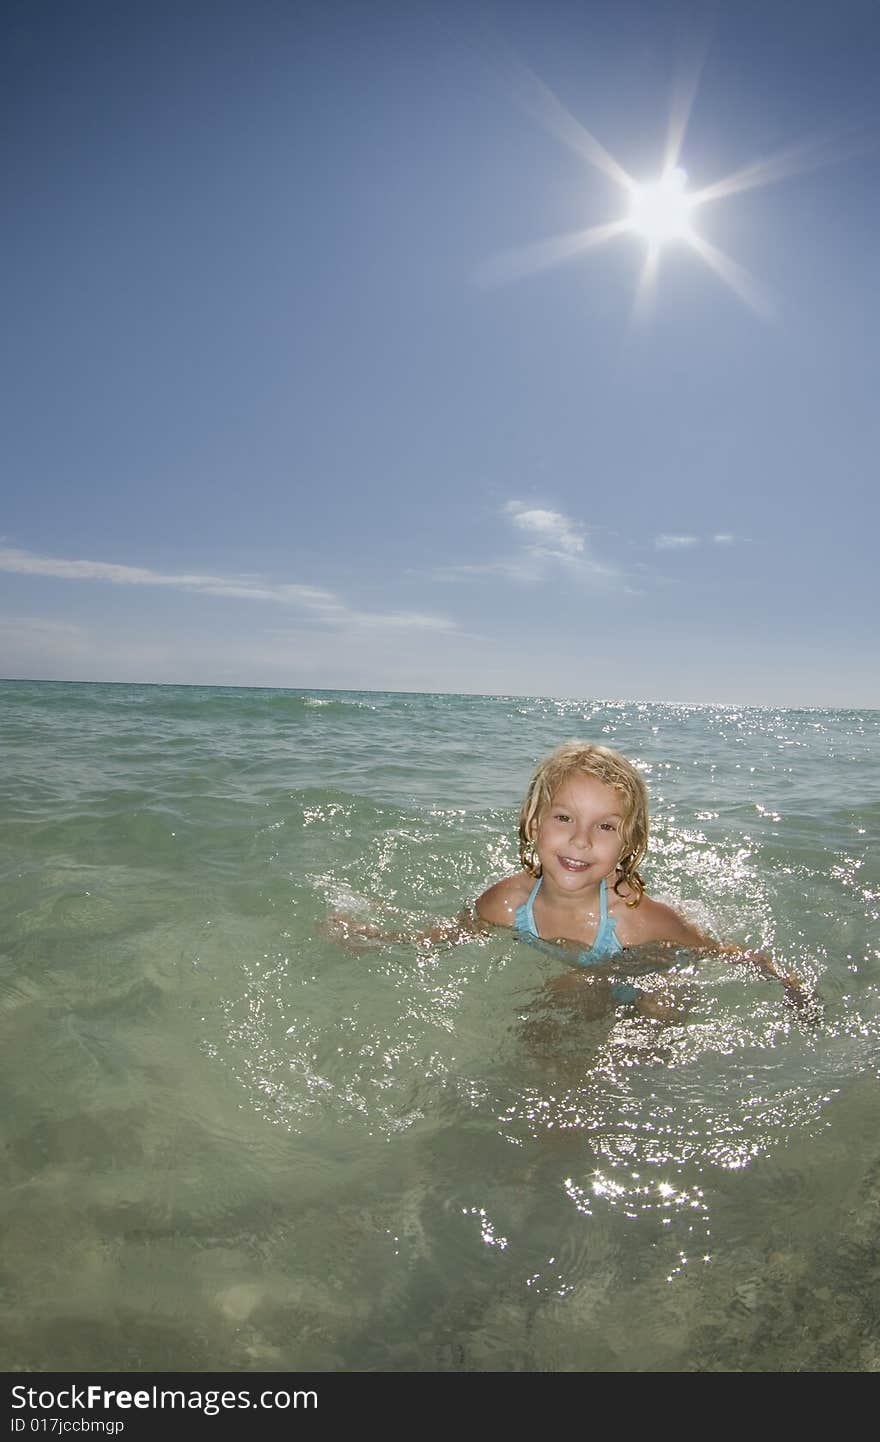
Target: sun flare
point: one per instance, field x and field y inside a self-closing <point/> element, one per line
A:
<point x="660" y="212"/>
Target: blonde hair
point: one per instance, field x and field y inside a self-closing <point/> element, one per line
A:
<point x="612" y="769"/>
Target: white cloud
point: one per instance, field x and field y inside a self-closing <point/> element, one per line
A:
<point x="550" y="530"/>
<point x="723" y="538"/>
<point x="673" y="543"/>
<point x="326" y="608"/>
<point x="549" y="540"/>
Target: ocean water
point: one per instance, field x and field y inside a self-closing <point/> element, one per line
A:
<point x="233" y="1141"/>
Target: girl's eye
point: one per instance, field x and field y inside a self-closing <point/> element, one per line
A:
<point x="608" y="826"/>
<point x="561" y="816"/>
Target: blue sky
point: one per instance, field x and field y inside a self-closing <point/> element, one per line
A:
<point x="288" y="402"/>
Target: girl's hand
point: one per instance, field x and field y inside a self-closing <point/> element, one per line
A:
<point x="805" y="1001"/>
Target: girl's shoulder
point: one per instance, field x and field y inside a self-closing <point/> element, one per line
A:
<point x="498" y="904"/>
<point x="655" y="921"/>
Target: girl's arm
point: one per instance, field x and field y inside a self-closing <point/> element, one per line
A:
<point x="662" y="923"/>
<point x="353" y="931"/>
<point x="496" y="907"/>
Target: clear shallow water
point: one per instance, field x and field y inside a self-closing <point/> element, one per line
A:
<point x="231" y="1143"/>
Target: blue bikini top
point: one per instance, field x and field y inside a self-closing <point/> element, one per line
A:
<point x="607" y="943"/>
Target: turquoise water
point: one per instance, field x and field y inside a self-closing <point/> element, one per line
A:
<point x="231" y="1142"/>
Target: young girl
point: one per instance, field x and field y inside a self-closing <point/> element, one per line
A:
<point x="583" y="831"/>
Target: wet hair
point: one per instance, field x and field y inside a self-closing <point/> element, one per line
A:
<point x="584" y="759"/>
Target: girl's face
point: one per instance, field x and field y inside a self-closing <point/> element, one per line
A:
<point x="578" y="838"/>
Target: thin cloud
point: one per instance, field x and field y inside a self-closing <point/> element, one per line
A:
<point x="31" y="626"/>
<point x="326" y="607"/>
<point x="679" y="543"/>
<point x="510" y="570"/>
<point x="675" y="543"/>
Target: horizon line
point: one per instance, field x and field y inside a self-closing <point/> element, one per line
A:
<point x="476" y="695"/>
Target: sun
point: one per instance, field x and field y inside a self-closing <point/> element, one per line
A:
<point x="661" y="211"/>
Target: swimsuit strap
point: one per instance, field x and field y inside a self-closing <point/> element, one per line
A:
<point x="524" y="920"/>
<point x="530" y="905"/>
<point x="607" y="942"/>
<point x="607" y="933"/>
